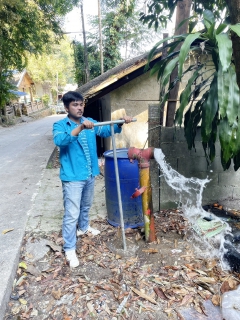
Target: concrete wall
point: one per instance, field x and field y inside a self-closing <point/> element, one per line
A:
<point x="133" y="99"/>
<point x="224" y="186"/>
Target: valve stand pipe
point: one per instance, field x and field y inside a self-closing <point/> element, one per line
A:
<point x="111" y="123"/>
<point x="143" y="156"/>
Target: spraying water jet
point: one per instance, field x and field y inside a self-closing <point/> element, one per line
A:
<point x="210" y="228"/>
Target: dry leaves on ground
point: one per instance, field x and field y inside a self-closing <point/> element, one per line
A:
<point x="111" y="285"/>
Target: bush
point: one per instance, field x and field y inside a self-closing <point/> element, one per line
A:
<point x="45" y="99"/>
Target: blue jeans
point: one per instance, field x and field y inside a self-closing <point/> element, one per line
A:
<point x="77" y="200"/>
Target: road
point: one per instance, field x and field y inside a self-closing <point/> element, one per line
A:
<point x="24" y="153"/>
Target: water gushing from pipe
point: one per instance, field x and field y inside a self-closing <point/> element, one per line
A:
<point x="189" y="197"/>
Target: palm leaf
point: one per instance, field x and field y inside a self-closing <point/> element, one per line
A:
<point x="208" y="17"/>
<point x="234" y="94"/>
<point x="225" y="50"/>
<point x="223" y="89"/>
<point x="185" y="98"/>
<point x="168" y="70"/>
<point x="225" y="137"/>
<point x="236" y="28"/>
<point x="209" y="110"/>
<point x="185" y="48"/>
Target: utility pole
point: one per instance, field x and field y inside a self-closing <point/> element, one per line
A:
<point x="100" y="35"/>
<point x="87" y="76"/>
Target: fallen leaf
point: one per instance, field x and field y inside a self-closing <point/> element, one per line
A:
<point x="22" y="265"/>
<point x="138" y="236"/>
<point x="216" y="300"/>
<point x="34" y="271"/>
<point x="186" y="299"/>
<point x="192" y="275"/>
<point x="197" y="307"/>
<point x="21" y="292"/>
<point x="160" y="293"/>
<point x="179" y="315"/>
<point x="7" y="230"/>
<point x="53" y="246"/>
<point x="90" y="307"/>
<point x="56" y="294"/>
<point x="228" y="285"/>
<point x="150" y="250"/>
<point x="210" y="264"/>
<point x="23" y="301"/>
<point x="206" y="279"/>
<point x="168" y="311"/>
<point x="200" y="272"/>
<point x="233" y="283"/>
<point x="143" y="295"/>
<point x="182" y="291"/>
<point x="20" y="280"/>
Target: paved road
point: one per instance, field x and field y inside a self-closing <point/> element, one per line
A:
<point x="24" y="153"/>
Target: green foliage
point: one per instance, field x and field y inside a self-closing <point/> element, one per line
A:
<point x="159" y="12"/>
<point x="5" y="89"/>
<point x="93" y="62"/>
<point x="28" y="27"/>
<point x="212" y="80"/>
<point x="121" y="31"/>
<point x="45" y="99"/>
<point x="59" y="63"/>
<point x="113" y="32"/>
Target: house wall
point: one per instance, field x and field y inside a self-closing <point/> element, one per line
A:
<point x="224" y="186"/>
<point x="41" y="90"/>
<point x="132" y="99"/>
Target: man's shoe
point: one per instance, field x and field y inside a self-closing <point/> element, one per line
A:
<point x="72" y="258"/>
<point x="93" y="231"/>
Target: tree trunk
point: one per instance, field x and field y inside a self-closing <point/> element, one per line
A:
<point x="86" y="69"/>
<point x="183" y="12"/>
<point x="100" y="35"/>
<point x="234" y="11"/>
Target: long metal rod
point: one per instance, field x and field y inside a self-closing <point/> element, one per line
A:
<point x="118" y="187"/>
<point x="111" y="123"/>
<point x="97" y="124"/>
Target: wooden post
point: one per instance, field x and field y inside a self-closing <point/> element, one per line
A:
<point x="183" y="12"/>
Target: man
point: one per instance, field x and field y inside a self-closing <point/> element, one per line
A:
<point x="75" y="135"/>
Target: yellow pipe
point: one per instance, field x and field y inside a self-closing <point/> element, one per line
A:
<point x="147" y="205"/>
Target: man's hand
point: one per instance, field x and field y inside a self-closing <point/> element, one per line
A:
<point x="127" y="120"/>
<point x="87" y="124"/>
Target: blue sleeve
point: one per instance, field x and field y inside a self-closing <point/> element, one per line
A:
<point x="61" y="137"/>
<point x="105" y="131"/>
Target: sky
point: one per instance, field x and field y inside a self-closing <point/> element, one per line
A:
<point x="73" y="18"/>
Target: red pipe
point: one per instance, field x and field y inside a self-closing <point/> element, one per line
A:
<point x="142" y="155"/>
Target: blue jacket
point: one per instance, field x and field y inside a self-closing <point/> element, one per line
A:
<point x="78" y="154"/>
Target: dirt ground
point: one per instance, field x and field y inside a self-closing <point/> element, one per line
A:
<point x="157" y="280"/>
<point x="172" y="278"/>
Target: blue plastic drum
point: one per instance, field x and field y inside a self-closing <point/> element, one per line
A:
<point x="129" y="181"/>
